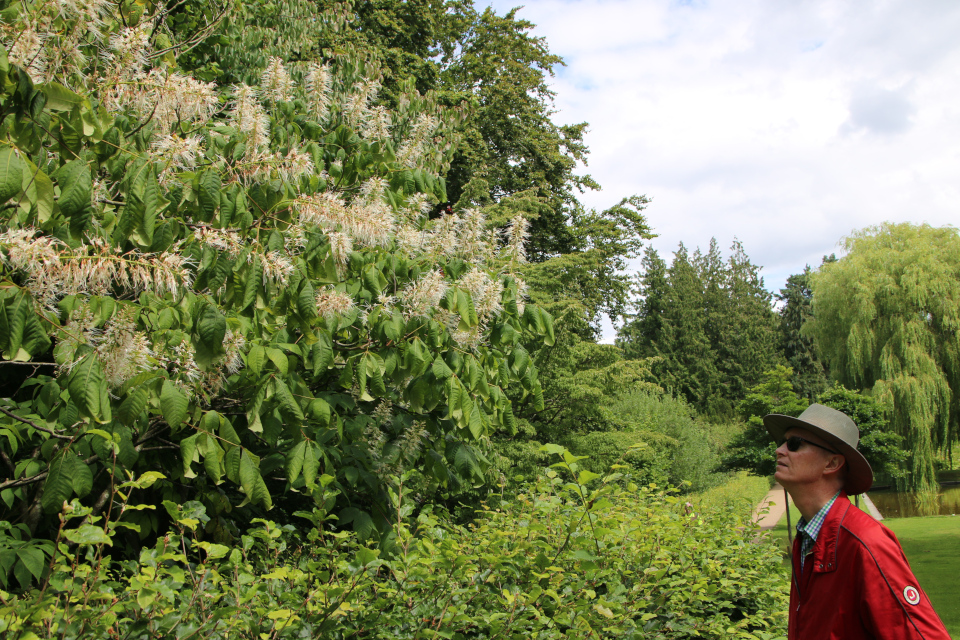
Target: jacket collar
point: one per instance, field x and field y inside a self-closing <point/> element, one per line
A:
<point x="825" y="548"/>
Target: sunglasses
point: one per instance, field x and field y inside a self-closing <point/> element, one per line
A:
<point x="794" y="442"/>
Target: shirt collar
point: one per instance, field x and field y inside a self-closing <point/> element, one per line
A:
<point x="812" y="528"/>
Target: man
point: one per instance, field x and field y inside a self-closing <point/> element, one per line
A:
<point x="850" y="577"/>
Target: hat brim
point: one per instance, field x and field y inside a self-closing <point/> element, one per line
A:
<point x="859" y="474"/>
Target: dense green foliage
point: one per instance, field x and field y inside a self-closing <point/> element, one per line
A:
<point x="739" y="490"/>
<point x="753" y="450"/>
<point x="575" y="556"/>
<point x="879" y="443"/>
<point x="709" y="321"/>
<point x="239" y="288"/>
<point x="887" y="318"/>
<point x="488" y="66"/>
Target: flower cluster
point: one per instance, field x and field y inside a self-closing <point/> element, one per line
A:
<point x="368" y="221"/>
<point x="422" y="297"/>
<point x="276" y="268"/>
<point x="248" y="116"/>
<point x="28" y="52"/>
<point x="413" y="148"/>
<point x="122" y="350"/>
<point x="319" y="83"/>
<point x="226" y="241"/>
<point x="166" y="98"/>
<point x="53" y="270"/>
<point x="356" y="107"/>
<point x="515" y="248"/>
<point x="179" y="153"/>
<point x="485" y="292"/>
<point x="233" y="344"/>
<point x="275" y="81"/>
<point x="332" y="303"/>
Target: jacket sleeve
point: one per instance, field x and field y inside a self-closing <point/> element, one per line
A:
<point x="892" y="604"/>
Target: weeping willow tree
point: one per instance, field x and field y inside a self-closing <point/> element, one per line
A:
<point x="887" y="318"/>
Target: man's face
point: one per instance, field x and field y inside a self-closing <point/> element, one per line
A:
<point x="805" y="465"/>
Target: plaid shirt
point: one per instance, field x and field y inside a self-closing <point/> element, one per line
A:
<point x="808" y="530"/>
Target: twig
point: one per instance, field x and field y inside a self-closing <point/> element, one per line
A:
<point x="36" y="426"/>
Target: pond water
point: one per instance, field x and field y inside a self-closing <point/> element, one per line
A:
<point x="896" y="504"/>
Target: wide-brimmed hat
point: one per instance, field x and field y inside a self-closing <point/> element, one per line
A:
<point x="837" y="429"/>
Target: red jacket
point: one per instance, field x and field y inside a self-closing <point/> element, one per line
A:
<point x="857" y="584"/>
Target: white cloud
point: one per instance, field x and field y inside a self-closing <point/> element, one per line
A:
<point x="784" y="123"/>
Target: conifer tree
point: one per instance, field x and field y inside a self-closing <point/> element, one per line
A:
<point x="638" y="337"/>
<point x="799" y="349"/>
<point x="688" y="366"/>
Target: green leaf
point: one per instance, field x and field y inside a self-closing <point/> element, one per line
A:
<point x="88" y="534"/>
<point x="212" y="456"/>
<point x="211" y="327"/>
<point x="189" y="455"/>
<point x="372" y="366"/>
<point x="87" y="385"/>
<point x="173" y="404"/>
<point x="59" y="98"/>
<point x="278" y="358"/>
<point x="150" y="202"/>
<point x="228" y="433"/>
<point x="322" y="352"/>
<point x="295" y="461"/>
<point x="288" y="404"/>
<point x="466" y="463"/>
<point x="253" y="277"/>
<point x="57" y="488"/>
<point x="11" y="174"/>
<point x="255" y="357"/>
<point x="548" y="339"/>
<point x="252" y="482"/>
<point x="32" y="559"/>
<point x="75" y="183"/>
<point x="362" y="522"/>
<point x="134" y="404"/>
<point x="311" y="463"/>
<point x="307" y="301"/>
<point x="208" y="196"/>
<point x="16" y="310"/>
<point x="81" y="477"/>
<point x="440" y="369"/>
<point x="319" y="411"/>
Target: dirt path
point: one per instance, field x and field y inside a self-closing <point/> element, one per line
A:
<point x="776" y="504"/>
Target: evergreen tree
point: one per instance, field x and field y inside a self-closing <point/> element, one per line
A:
<point x="747" y="346"/>
<point x="638" y="337"/>
<point x="799" y="349"/>
<point x="688" y="364"/>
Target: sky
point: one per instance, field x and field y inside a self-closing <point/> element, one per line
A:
<point x="787" y="124"/>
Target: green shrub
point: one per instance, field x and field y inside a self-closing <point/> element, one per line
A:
<point x="576" y="556"/>
<point x="682" y="450"/>
<point x="648" y="455"/>
<point x="742" y="490"/>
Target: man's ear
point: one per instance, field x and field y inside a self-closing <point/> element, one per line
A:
<point x="835" y="463"/>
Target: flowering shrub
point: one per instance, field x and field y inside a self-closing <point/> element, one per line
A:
<point x="575" y="556"/>
<point x="238" y="287"/>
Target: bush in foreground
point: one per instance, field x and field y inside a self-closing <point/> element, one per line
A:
<point x="567" y="559"/>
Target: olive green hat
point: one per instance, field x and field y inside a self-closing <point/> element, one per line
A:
<point x="836" y="428"/>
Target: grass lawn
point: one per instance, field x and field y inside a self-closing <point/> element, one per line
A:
<point x="932" y="546"/>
